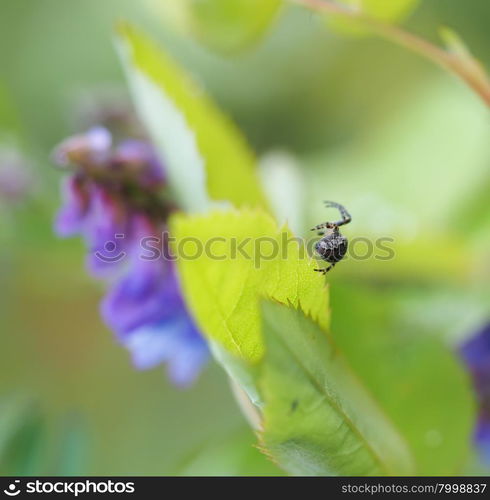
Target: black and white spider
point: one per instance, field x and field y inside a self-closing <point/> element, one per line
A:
<point x="333" y="246"/>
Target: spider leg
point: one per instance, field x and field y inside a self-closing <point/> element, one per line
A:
<point x="346" y="218"/>
<point x="325" y="270"/>
<point x="324" y="225"/>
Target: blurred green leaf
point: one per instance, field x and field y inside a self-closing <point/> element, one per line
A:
<point x="389" y="11"/>
<point x="284" y="184"/>
<point x="318" y="419"/>
<point x="224" y="25"/>
<point x="21" y="438"/>
<point x="385" y="10"/>
<point x="371" y="18"/>
<point x="472" y="216"/>
<point x="454" y="42"/>
<point x="416" y="379"/>
<point x="9" y="119"/>
<point x="396" y="152"/>
<point x="71" y="453"/>
<point x="464" y="59"/>
<point x="233" y="455"/>
<point x="247" y="256"/>
<point x="193" y="137"/>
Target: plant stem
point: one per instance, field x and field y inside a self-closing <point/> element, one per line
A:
<point x="468" y="69"/>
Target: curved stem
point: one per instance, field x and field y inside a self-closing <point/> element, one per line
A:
<point x="467" y="68"/>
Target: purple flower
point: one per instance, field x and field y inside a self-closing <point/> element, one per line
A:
<point x="71" y="216"/>
<point x="175" y="341"/>
<point x="91" y="148"/>
<point x="482" y="437"/>
<point x="105" y="231"/>
<point x="476" y="354"/>
<point x="140" y="157"/>
<point x="148" y="314"/>
<point x="112" y="199"/>
<point x="148" y="293"/>
<point x="100" y="217"/>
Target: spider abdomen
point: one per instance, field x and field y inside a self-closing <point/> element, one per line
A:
<point x="332" y="248"/>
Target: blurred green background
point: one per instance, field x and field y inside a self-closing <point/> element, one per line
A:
<point x="402" y="144"/>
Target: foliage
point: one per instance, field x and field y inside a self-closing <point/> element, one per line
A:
<point x="357" y="377"/>
<point x="420" y="384"/>
<point x="391" y="11"/>
<point x="198" y="138"/>
<point x="251" y="258"/>
<point x="372" y="16"/>
<point x="21" y="437"/>
<point x="224" y="25"/>
<point x="325" y="408"/>
<point x="234" y="454"/>
<point x="318" y="419"/>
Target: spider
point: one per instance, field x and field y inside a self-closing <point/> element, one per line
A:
<point x="333" y="246"/>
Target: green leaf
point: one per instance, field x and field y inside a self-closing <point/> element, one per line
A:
<point x="388" y="11"/>
<point x="223" y="25"/>
<point x="391" y="11"/>
<point x="247" y="256"/>
<point x="318" y="419"/>
<point x="195" y="140"/>
<point x="22" y="435"/>
<point x="417" y="380"/>
<point x="70" y="457"/>
<point x="454" y="42"/>
<point x="232" y="455"/>
<point x="9" y="119"/>
<point x="464" y="58"/>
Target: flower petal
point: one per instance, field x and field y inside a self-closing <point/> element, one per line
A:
<point x="175" y="342"/>
<point x="71" y="217"/>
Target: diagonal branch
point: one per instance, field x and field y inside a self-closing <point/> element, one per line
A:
<point x="464" y="66"/>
